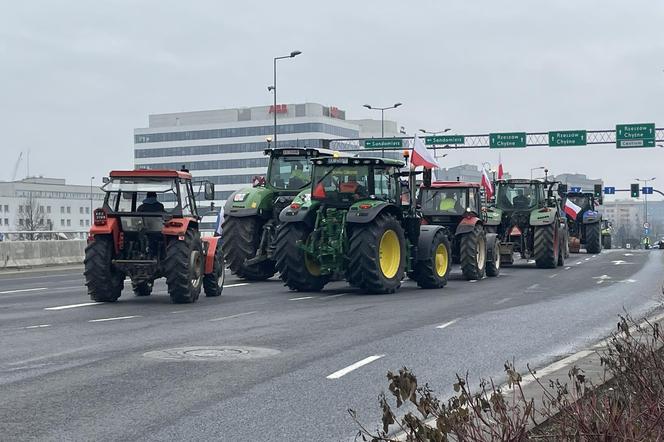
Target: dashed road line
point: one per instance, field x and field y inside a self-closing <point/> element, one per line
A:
<point x="117" y="318"/>
<point x="352" y="367"/>
<point x="502" y="301"/>
<point x="578" y="262"/>
<point x="36" y="289"/>
<point x="302" y="298"/>
<point x="233" y="316"/>
<point x="532" y="287"/>
<point x="240" y="284"/>
<point x="554" y="275"/>
<point x="37" y="326"/>
<point x="587" y="259"/>
<point x="65" y="307"/>
<point x="447" y="324"/>
<point x="567" y="268"/>
<point x="334" y="296"/>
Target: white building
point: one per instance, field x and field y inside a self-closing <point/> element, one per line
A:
<point x="226" y="146"/>
<point x="47" y="204"/>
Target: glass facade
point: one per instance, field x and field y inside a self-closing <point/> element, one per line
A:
<point x="220" y="148"/>
<point x="212" y="164"/>
<point x="246" y="132"/>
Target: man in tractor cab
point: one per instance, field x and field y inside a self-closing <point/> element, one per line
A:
<point x="352" y="186"/>
<point x="151" y="204"/>
<point x="298" y="178"/>
<point x="448" y="203"/>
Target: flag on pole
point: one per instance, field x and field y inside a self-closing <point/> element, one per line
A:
<point x="421" y="156"/>
<point x="571" y="209"/>
<point x="500" y="168"/>
<point x="487" y="184"/>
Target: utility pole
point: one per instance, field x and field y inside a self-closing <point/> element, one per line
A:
<point x="382" y="119"/>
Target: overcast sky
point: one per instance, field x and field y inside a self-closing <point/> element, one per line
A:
<point x="78" y="76"/>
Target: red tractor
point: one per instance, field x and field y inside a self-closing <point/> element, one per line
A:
<point x="134" y="235"/>
<point x="457" y="207"/>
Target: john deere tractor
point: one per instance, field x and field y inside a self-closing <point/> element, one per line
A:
<point x="457" y="206"/>
<point x="251" y="214"/>
<point x="354" y="223"/>
<point x="527" y="216"/>
<point x="585" y="224"/>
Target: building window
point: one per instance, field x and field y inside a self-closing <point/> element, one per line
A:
<point x="62" y="209"/>
<point x="62" y="222"/>
<point x="87" y="210"/>
<point x="68" y="223"/>
<point x="6" y="221"/>
<point x="68" y="209"/>
<point x="80" y="209"/>
<point x="48" y="209"/>
<point x="81" y="223"/>
<point x="87" y="222"/>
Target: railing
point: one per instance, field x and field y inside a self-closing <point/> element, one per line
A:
<point x="33" y="235"/>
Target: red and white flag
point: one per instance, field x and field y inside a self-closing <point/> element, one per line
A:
<point x="500" y="168"/>
<point x="421" y="156"/>
<point x="487" y="184"/>
<point x="571" y="209"/>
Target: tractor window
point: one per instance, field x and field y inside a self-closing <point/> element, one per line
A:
<point x="140" y="194"/>
<point x="473" y="202"/>
<point x="385" y="184"/>
<point x="518" y="196"/>
<point x="187" y="199"/>
<point x="449" y="201"/>
<point x="582" y="201"/>
<point x="340" y="184"/>
<point x="290" y="172"/>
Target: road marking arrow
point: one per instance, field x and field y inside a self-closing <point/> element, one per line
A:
<point x="620" y="262"/>
<point x="602" y="278"/>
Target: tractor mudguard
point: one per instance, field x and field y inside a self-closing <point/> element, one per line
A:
<point x="493" y="217"/>
<point x="543" y="217"/>
<point x="112" y="227"/>
<point x="425" y="241"/>
<point x="365" y="211"/>
<point x="591" y="216"/>
<point x="213" y="243"/>
<point x="307" y="206"/>
<point x="177" y="226"/>
<point x="466" y="225"/>
<point x="248" y="201"/>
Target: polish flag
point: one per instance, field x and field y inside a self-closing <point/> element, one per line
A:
<point x="571" y="209"/>
<point x="487" y="184"/>
<point x="500" y="168"/>
<point x="421" y="156"/>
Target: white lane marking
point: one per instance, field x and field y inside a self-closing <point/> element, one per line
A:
<point x="628" y="254"/>
<point x="65" y="307"/>
<point x="227" y="286"/>
<point x="567" y="268"/>
<point x="502" y="301"/>
<point x="578" y="262"/>
<point x="301" y="298"/>
<point x="447" y="324"/>
<point x="587" y="259"/>
<point x="37" y="326"/>
<point x="620" y="262"/>
<point x="602" y="278"/>
<point x="178" y="311"/>
<point x="117" y="318"/>
<point x="554" y="275"/>
<point x="472" y="280"/>
<point x="36" y="289"/>
<point x="628" y="280"/>
<point x="233" y="316"/>
<point x="556" y="366"/>
<point x="355" y="366"/>
<point x="335" y="296"/>
<point x="534" y="286"/>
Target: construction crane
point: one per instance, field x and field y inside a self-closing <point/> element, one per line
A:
<point x="18" y="162"/>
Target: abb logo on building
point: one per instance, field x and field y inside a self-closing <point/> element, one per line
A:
<point x="279" y="109"/>
<point x="335" y="112"/>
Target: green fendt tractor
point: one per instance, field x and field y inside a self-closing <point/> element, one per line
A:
<point x="352" y="224"/>
<point x="585" y="227"/>
<point x="607" y="233"/>
<point x="251" y="214"/>
<point x="527" y="216"/>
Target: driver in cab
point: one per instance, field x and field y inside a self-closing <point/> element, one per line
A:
<point x="447" y="203"/>
<point x="151" y="204"/>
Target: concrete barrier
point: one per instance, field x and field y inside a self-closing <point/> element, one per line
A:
<point x="15" y="254"/>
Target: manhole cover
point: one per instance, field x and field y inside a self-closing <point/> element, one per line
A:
<point x="220" y="353"/>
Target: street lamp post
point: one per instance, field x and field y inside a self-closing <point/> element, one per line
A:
<point x="645" y="197"/>
<point x="273" y="88"/>
<point x="382" y="118"/>
<point x="91" y="210"/>
<point x="535" y="168"/>
<point x="428" y="132"/>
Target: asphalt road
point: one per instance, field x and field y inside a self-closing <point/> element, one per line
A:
<point x="291" y="364"/>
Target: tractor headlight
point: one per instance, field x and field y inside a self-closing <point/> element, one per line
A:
<point x="238" y="197"/>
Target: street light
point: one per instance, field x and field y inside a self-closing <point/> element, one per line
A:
<point x="382" y="115"/>
<point x="91" y="215"/>
<point x="535" y="168"/>
<point x="273" y="88"/>
<point x="427" y="132"/>
<point x="645" y="197"/>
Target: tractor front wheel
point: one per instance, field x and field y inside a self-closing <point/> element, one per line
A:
<point x="493" y="264"/>
<point x="297" y="269"/>
<point x="184" y="267"/>
<point x="472" y="253"/>
<point x="242" y="238"/>
<point x="104" y="283"/>
<point x="432" y="272"/>
<point x="593" y="238"/>
<point x="213" y="283"/>
<point x="547" y="246"/>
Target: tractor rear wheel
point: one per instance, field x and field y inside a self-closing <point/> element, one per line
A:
<point x="493" y="261"/>
<point x="143" y="288"/>
<point x="547" y="246"/>
<point x="432" y="272"/>
<point x="242" y="238"/>
<point x="377" y="255"/>
<point x="297" y="269"/>
<point x="104" y="283"/>
<point x="213" y="283"/>
<point x="593" y="238"/>
<point x="472" y="253"/>
<point x="184" y="267"/>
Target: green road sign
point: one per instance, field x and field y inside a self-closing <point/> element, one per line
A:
<point x="506" y="140"/>
<point x="445" y="139"/>
<point x="568" y="138"/>
<point x="635" y="135"/>
<point x="384" y="143"/>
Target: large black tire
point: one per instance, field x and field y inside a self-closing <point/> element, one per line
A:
<point x="143" y="288"/>
<point x="432" y="272"/>
<point x="104" y="283"/>
<point x="296" y="269"/>
<point x="562" y="244"/>
<point x="472" y="253"/>
<point x="184" y="268"/>
<point x="241" y="237"/>
<point x="493" y="261"/>
<point x="365" y="269"/>
<point x="213" y="283"/>
<point x="547" y="246"/>
<point x="593" y="238"/>
<point x="606" y="242"/>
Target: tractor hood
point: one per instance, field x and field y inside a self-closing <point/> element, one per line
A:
<point x="299" y="208"/>
<point x="248" y="201"/>
<point x="543" y="216"/>
<point x="494" y="216"/>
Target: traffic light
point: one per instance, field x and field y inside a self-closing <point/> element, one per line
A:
<point x="634" y="190"/>
<point x="597" y="190"/>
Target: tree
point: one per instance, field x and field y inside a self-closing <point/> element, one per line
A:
<point x="32" y="218"/>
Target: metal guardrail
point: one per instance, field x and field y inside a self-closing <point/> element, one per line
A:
<point x="34" y="235"/>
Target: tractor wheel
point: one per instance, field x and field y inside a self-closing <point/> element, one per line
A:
<point x="213" y="283"/>
<point x="241" y="238"/>
<point x="183" y="267"/>
<point x="593" y="238"/>
<point x="606" y="242"/>
<point x="561" y="251"/>
<point x="143" y="288"/>
<point x="298" y="270"/>
<point x="377" y="255"/>
<point x="547" y="246"/>
<point x="432" y="272"/>
<point x="104" y="283"/>
<point x="472" y="253"/>
<point x="493" y="264"/>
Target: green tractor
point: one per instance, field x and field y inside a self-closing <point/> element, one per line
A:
<point x="251" y="214"/>
<point x="607" y="234"/>
<point x="527" y="216"/>
<point x="355" y="223"/>
<point x="585" y="222"/>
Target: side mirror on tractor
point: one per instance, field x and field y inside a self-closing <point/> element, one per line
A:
<point x="209" y="190"/>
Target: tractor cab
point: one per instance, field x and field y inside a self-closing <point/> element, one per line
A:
<point x="447" y="202"/>
<point x="289" y="169"/>
<point x="516" y="194"/>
